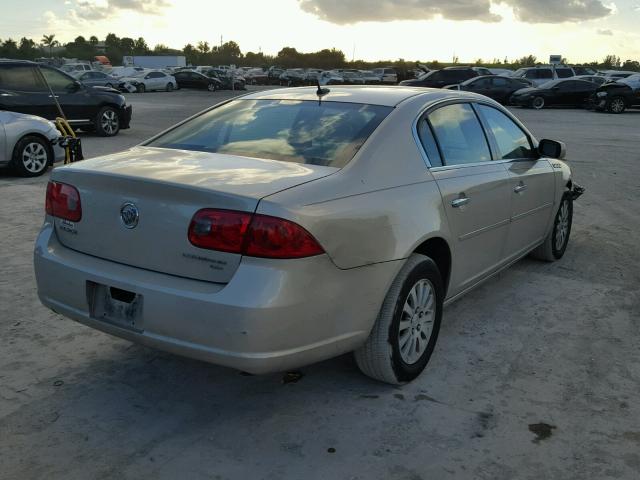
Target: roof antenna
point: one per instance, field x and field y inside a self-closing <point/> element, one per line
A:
<point x="321" y="92"/>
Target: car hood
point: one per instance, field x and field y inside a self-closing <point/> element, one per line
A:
<point x="23" y="116"/>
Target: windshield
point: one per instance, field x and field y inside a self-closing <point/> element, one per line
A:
<point x="520" y="72"/>
<point x="426" y="74"/>
<point x="326" y="133"/>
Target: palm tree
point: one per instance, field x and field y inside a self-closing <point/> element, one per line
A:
<point x="50" y="41"/>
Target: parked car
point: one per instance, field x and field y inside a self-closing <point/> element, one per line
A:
<point x="497" y="87"/>
<point x="96" y="79"/>
<point x="281" y="256"/>
<point x="149" y="81"/>
<point x="329" y="77"/>
<point x="255" y="76"/>
<point x="570" y="92"/>
<point x="482" y="71"/>
<point x="229" y="80"/>
<point x="614" y="75"/>
<point x="542" y="74"/>
<point x="505" y="72"/>
<point x="28" y="144"/>
<point x="386" y="75"/>
<point x="312" y="75"/>
<point x="598" y="80"/>
<point x="120" y="72"/>
<point x="273" y="75"/>
<point x="353" y="78"/>
<point x="293" y="77"/>
<point x="616" y="97"/>
<point x="370" y="78"/>
<point x="193" y="79"/>
<point x="442" y="78"/>
<point x="90" y="108"/>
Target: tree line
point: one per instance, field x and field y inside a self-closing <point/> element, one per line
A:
<point x="203" y="53"/>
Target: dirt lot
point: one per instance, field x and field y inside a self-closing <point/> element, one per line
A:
<point x="536" y="374"/>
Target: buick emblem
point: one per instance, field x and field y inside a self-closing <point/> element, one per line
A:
<point x="129" y="215"/>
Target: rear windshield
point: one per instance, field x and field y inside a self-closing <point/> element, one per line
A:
<point x="325" y="133"/>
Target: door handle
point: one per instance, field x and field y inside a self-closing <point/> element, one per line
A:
<point x="520" y="188"/>
<point x="459" y="202"/>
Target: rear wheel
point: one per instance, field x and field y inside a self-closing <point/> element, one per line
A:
<point x="555" y="244"/>
<point x="616" y="105"/>
<point x="141" y="88"/>
<point x="107" y="122"/>
<point x="406" y="330"/>
<point x="108" y="85"/>
<point x="211" y="87"/>
<point x="538" y="103"/>
<point x="169" y="87"/>
<point x="31" y="156"/>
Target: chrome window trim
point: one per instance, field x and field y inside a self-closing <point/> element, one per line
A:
<point x="450" y="101"/>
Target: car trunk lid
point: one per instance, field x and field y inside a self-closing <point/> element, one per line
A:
<point x="166" y="187"/>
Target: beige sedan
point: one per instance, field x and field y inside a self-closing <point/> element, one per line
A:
<point x="289" y="226"/>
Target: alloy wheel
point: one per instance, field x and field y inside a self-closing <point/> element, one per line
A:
<point x="562" y="225"/>
<point x="538" y="103"/>
<point x="109" y="122"/>
<point x="34" y="157"/>
<point x="617" y="105"/>
<point x="417" y="321"/>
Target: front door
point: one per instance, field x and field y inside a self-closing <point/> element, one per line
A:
<point x="474" y="189"/>
<point x="531" y="181"/>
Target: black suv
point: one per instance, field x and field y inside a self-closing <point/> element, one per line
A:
<point x="442" y="78"/>
<point x="90" y="108"/>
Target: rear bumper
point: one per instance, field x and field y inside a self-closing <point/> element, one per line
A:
<point x="273" y="315"/>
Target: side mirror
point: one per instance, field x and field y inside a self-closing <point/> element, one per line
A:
<point x="552" y="149"/>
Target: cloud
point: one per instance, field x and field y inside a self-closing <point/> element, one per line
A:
<point x="605" y="32"/>
<point x="529" y="11"/>
<point x="100" y="9"/>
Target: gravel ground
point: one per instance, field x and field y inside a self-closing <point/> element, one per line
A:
<point x="535" y="376"/>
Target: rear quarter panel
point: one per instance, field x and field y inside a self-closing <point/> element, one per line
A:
<point x="379" y="207"/>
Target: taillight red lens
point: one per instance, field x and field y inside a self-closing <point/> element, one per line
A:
<point x="273" y="237"/>
<point x="221" y="230"/>
<point x="252" y="235"/>
<point x="63" y="201"/>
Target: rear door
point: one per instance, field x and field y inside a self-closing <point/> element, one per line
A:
<point x="531" y="180"/>
<point x="22" y="90"/>
<point x="475" y="190"/>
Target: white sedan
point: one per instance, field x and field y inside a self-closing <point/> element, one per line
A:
<point x="149" y="80"/>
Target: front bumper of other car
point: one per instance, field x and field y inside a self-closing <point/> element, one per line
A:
<point x="273" y="315"/>
<point x="125" y="116"/>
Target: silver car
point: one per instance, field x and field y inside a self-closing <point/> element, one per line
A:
<point x="289" y="226"/>
<point x="95" y="78"/>
<point x="28" y="143"/>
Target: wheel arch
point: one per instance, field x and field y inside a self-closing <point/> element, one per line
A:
<point x="40" y="135"/>
<point x="438" y="250"/>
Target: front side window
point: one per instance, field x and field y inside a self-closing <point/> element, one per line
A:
<point x="459" y="135"/>
<point x="325" y="133"/>
<point x="512" y="141"/>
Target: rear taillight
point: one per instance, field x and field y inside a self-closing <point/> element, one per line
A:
<point x="63" y="201"/>
<point x="252" y="235"/>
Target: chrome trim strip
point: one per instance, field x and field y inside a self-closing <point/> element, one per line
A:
<point x="475" y="233"/>
<point x="529" y="212"/>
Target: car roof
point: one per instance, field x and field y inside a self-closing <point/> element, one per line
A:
<point x="389" y="96"/>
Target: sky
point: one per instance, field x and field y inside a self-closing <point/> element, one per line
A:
<point x="580" y="30"/>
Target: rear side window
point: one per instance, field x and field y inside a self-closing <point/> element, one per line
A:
<point x="459" y="135"/>
<point x="564" y="73"/>
<point x="326" y="133"/>
<point x="511" y="140"/>
<point x="21" y="79"/>
<point x="545" y="73"/>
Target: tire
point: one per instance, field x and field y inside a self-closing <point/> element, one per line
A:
<point x="108" y="85"/>
<point x="169" y="87"/>
<point x="211" y="87"/>
<point x="141" y="88"/>
<point x="31" y="156"/>
<point x="616" y="105"/>
<point x="538" y="103"/>
<point x="388" y="355"/>
<point x="555" y="244"/>
<point x="107" y="122"/>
